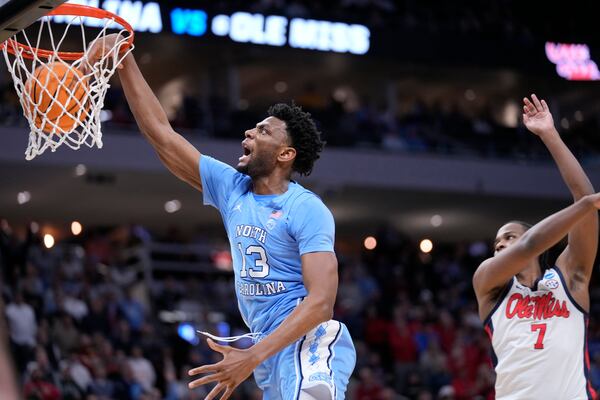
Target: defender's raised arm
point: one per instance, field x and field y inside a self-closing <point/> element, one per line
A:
<point x="578" y="258"/>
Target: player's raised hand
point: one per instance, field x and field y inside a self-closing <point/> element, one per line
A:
<point x="99" y="48"/>
<point x="233" y="369"/>
<point x="537" y="116"/>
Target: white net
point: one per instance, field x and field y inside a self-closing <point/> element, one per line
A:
<point x="62" y="99"/>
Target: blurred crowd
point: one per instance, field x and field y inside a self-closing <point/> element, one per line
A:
<point x="441" y="128"/>
<point x="422" y="127"/>
<point x="90" y="318"/>
<point x="84" y="317"/>
<point x="347" y="120"/>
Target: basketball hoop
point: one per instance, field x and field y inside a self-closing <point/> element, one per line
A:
<point x="62" y="92"/>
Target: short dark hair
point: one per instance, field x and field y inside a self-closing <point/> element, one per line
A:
<point x="304" y="135"/>
<point x="524" y="225"/>
<point x="544" y="259"/>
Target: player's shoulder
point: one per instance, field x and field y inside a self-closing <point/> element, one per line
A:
<point x="304" y="206"/>
<point x="302" y="197"/>
<point x="481" y="277"/>
<point x="218" y="169"/>
<point x="209" y="163"/>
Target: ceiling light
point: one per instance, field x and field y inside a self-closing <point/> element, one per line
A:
<point x="76" y="228"/>
<point x="172" y="206"/>
<point x="80" y="170"/>
<point x="426" y="245"/>
<point x="48" y="241"/>
<point x="370" y="243"/>
<point x="23" y="197"/>
<point x="436" y="220"/>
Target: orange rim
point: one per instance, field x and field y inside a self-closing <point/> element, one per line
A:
<point x="75" y="10"/>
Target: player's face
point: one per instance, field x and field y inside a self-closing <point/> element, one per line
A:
<point x="507" y="236"/>
<point x="261" y="147"/>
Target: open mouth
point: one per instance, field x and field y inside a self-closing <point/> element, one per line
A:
<point x="246" y="153"/>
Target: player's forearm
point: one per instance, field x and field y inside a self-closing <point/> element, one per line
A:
<point x="306" y="316"/>
<point x="570" y="169"/>
<point x="149" y="114"/>
<point x="552" y="229"/>
<point x="496" y="271"/>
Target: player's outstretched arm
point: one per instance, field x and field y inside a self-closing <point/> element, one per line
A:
<point x="320" y="274"/>
<point x="175" y="152"/>
<point x="496" y="271"/>
<point x="578" y="257"/>
<point x="319" y="270"/>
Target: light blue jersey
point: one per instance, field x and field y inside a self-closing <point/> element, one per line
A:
<point x="268" y="234"/>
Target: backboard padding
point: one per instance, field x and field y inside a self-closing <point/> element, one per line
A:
<point x="16" y="15"/>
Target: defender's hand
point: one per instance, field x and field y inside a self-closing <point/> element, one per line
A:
<point x="537" y="117"/>
<point x="233" y="369"/>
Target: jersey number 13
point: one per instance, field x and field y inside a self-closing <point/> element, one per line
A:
<point x="260" y="269"/>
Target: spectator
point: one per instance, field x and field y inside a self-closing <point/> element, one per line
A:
<point x="96" y="320"/>
<point x="435" y="364"/>
<point x="65" y="334"/>
<point x="416" y="333"/>
<point x="23" y="329"/>
<point x="78" y="373"/>
<point x="101" y="386"/>
<point x="39" y="387"/>
<point x="133" y="311"/>
<point x="142" y="370"/>
<point x="369" y="388"/>
<point x="446" y="393"/>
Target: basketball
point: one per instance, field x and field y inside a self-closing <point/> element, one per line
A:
<point x="58" y="97"/>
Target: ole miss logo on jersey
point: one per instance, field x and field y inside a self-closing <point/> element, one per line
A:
<point x="536" y="307"/>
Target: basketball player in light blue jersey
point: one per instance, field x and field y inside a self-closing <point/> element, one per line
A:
<point x="282" y="239"/>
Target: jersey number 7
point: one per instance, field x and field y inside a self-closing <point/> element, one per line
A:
<point x="260" y="269"/>
<point x="539" y="344"/>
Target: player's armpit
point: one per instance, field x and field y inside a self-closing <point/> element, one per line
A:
<point x="577" y="259"/>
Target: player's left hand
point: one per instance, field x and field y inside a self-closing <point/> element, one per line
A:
<point x="537" y="117"/>
<point x="233" y="369"/>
